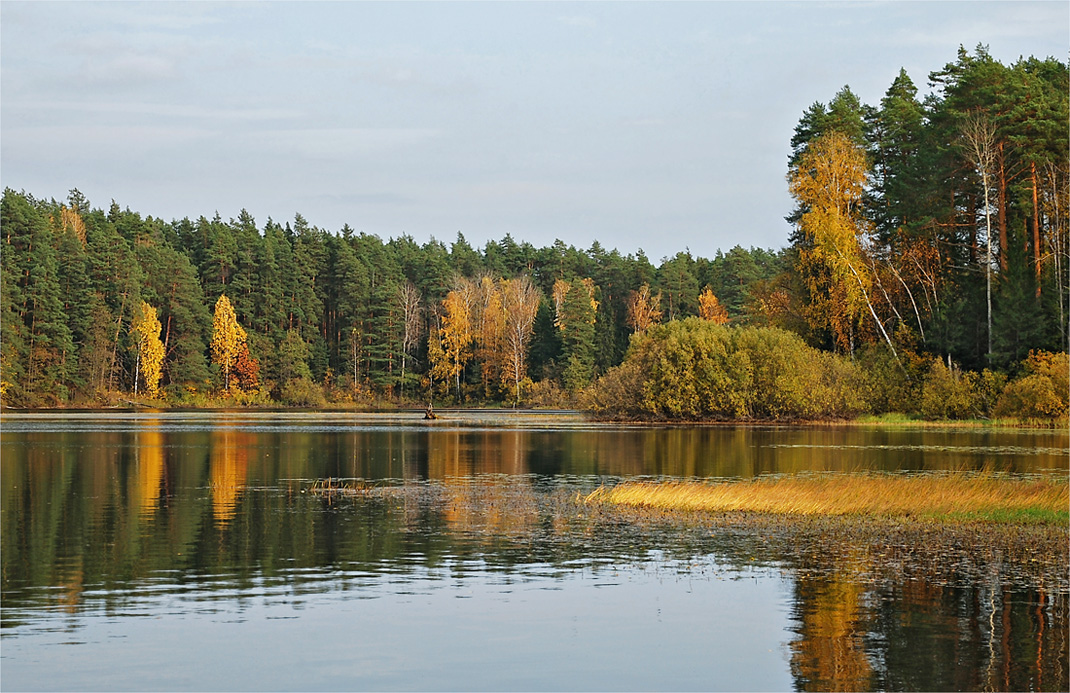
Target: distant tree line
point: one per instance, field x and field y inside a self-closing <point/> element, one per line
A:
<point x="924" y="231"/>
<point x="296" y="314"/>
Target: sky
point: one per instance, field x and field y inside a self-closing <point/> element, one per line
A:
<point x="653" y="126"/>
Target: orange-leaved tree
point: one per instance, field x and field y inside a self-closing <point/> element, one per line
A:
<point x="709" y="308"/>
<point x="455" y="332"/>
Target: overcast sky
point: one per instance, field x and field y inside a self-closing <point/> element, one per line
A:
<point x="659" y="126"/>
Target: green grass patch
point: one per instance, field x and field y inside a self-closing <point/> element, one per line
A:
<point x="1006" y="516"/>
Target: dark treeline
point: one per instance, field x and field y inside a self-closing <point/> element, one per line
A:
<point x="317" y="307"/>
<point x="924" y="229"/>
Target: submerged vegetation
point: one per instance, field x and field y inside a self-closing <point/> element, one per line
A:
<point x="945" y="497"/>
<point x="926" y="275"/>
<point x="997" y="531"/>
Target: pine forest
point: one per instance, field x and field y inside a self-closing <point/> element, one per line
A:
<point x="927" y="273"/>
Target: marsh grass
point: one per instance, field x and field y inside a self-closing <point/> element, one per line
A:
<point x="914" y="421"/>
<point x="954" y="497"/>
<point x="330" y="486"/>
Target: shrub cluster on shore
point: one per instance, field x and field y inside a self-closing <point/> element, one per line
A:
<point x="697" y="370"/>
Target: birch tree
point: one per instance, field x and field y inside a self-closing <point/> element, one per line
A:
<point x="411" y="308"/>
<point x="709" y="308"/>
<point x="520" y="300"/>
<point x="150" y="352"/>
<point x="979" y="144"/>
<point x="644" y="309"/>
<point x="829" y="180"/>
<point x="228" y="338"/>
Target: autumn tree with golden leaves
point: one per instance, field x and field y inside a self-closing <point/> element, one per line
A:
<point x="829" y="182"/>
<point x="644" y="309"/>
<point x="454" y="334"/>
<point x="709" y="308"/>
<point x="520" y="301"/>
<point x="228" y="338"/>
<point x="145" y="329"/>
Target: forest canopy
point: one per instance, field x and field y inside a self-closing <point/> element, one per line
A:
<point x="926" y="231"/>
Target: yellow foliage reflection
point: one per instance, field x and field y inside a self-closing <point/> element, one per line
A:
<point x="448" y="457"/>
<point x="228" y="469"/>
<point x="150" y="469"/>
<point x="829" y="654"/>
<point x="499" y="506"/>
<point x="490" y="509"/>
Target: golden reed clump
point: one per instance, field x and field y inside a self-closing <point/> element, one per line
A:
<point x="953" y="495"/>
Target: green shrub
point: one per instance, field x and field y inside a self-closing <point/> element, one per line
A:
<point x="694" y="369"/>
<point x="1043" y="390"/>
<point x="946" y="394"/>
<point x="890" y="384"/>
<point x="302" y="392"/>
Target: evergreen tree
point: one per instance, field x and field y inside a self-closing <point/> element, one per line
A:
<point x="47" y="347"/>
<point x="576" y="321"/>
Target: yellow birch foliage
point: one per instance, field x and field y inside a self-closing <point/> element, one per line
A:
<point x="71" y="221"/>
<point x="441" y="367"/>
<point x="455" y="332"/>
<point x="228" y="338"/>
<point x="520" y="301"/>
<point x="709" y="308"/>
<point x="644" y="309"/>
<point x="561" y="288"/>
<point x="491" y="333"/>
<point x="146" y="328"/>
<point x="829" y="180"/>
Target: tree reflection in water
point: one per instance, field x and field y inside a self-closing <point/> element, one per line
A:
<point x="100" y="520"/>
<point x="919" y="636"/>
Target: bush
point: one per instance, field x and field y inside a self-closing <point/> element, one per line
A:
<point x="694" y="369"/>
<point x="890" y="384"/>
<point x="544" y="394"/>
<point x="302" y="392"/>
<point x="617" y="392"/>
<point x="1043" y="390"/>
<point x="946" y="394"/>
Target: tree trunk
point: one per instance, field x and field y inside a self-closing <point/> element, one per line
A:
<point x="1002" y="216"/>
<point x="1036" y="222"/>
<point x="988" y="263"/>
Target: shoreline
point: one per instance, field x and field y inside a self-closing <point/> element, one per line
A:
<point x="889" y="421"/>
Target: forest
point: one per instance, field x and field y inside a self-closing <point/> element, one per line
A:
<point x="927" y="273"/>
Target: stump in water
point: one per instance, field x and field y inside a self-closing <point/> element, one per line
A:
<point x="430" y="413"/>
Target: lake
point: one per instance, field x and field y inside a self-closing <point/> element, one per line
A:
<point x="197" y="550"/>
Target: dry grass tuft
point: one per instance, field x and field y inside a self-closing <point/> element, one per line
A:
<point x="955" y="496"/>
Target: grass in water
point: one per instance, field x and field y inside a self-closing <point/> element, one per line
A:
<point x="949" y="497"/>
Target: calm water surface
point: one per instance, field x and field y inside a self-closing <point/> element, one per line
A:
<point x="187" y="551"/>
